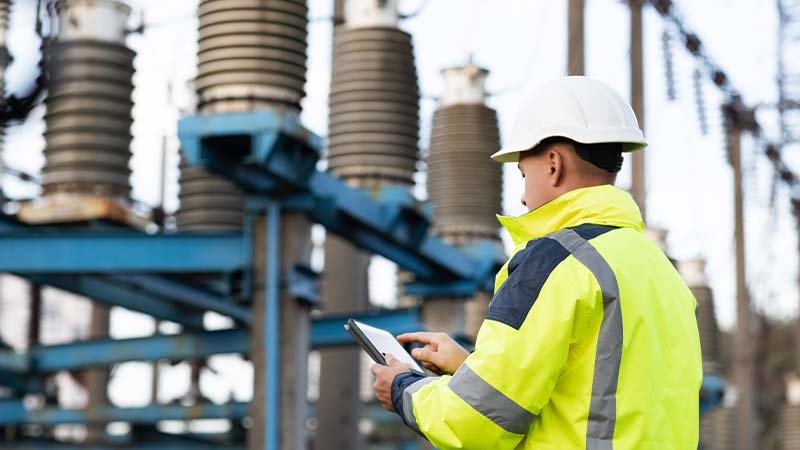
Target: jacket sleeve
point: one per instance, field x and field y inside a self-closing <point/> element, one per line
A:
<point x="520" y="350"/>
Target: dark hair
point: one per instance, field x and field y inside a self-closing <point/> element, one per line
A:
<point x="606" y="155"/>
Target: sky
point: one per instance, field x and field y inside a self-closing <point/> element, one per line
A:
<point x="521" y="42"/>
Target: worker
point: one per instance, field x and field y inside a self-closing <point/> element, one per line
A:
<point x="590" y="340"/>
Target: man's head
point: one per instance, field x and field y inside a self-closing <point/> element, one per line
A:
<point x="570" y="133"/>
<point x="559" y="165"/>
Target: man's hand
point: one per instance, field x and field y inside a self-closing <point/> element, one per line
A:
<point x="441" y="354"/>
<point x="384" y="376"/>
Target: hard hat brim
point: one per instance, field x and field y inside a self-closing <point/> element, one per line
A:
<point x="510" y="153"/>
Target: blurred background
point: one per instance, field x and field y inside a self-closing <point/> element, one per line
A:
<point x="196" y="195"/>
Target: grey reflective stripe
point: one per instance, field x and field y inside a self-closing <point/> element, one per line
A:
<point x="489" y="401"/>
<point x="603" y="406"/>
<point x="408" y="407"/>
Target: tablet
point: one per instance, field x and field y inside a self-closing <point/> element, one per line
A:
<point x="377" y="342"/>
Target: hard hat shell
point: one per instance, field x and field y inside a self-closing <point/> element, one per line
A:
<point x="576" y="107"/>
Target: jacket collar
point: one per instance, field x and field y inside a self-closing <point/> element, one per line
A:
<point x="601" y="205"/>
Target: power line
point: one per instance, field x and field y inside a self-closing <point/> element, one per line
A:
<point x="735" y="111"/>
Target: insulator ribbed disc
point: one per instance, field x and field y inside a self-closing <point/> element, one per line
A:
<point x="724" y="424"/>
<point x="251" y="50"/>
<point x="5" y="12"/>
<point x="707" y="324"/>
<point x="464" y="184"/>
<point x="374" y="106"/>
<point x="251" y="55"/>
<point x="208" y="202"/>
<point x="791" y="427"/>
<point x="88" y="118"/>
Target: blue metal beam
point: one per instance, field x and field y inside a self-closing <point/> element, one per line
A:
<point x="161" y="445"/>
<point x="21" y="384"/>
<point x="110" y="251"/>
<point x="325" y="332"/>
<point x="105" y="352"/>
<point x="107" y="291"/>
<point x="328" y="331"/>
<point x="13" y="412"/>
<point x="11" y="361"/>
<point x="275" y="157"/>
<point x="186" y="294"/>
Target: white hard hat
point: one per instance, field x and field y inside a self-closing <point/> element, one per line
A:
<point x="579" y="108"/>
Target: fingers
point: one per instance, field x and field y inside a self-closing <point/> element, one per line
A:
<point x="425" y="354"/>
<point x="426" y="337"/>
<point x="376" y="369"/>
<point x="393" y="362"/>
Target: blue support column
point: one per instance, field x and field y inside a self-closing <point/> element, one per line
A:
<point x="272" y="328"/>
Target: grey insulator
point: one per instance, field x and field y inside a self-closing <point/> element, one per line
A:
<point x="707" y="325"/>
<point x="791" y="427"/>
<point x="251" y="55"/>
<point x="724" y="428"/>
<point x="208" y="202"/>
<point x="374" y="107"/>
<point x="88" y="118"/>
<point x="464" y="184"/>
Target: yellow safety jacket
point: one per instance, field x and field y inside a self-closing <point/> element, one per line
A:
<point x="590" y="342"/>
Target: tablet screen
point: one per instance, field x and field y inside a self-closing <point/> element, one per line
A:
<point x="385" y="343"/>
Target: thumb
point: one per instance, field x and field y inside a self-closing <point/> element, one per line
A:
<point x="390" y="360"/>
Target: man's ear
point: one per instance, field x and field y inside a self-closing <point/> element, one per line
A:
<point x="556" y="167"/>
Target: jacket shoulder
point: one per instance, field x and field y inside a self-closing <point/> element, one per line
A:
<point x="528" y="271"/>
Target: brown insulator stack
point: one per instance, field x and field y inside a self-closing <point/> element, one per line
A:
<point x="464" y="186"/>
<point x="373" y="134"/>
<point x="374" y="106"/>
<point x="251" y="55"/>
<point x="723" y="424"/>
<point x="791" y="413"/>
<point x="88" y="117"/>
<point x="693" y="272"/>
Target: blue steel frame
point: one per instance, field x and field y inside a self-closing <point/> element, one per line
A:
<point x="280" y="165"/>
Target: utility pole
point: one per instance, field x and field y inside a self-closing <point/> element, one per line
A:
<point x="736" y="121"/>
<point x="338" y="13"/>
<point x="97" y="379"/>
<point x="35" y="318"/>
<point x="575" y="57"/>
<point x="638" y="189"/>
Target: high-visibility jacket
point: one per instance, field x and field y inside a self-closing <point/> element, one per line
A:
<point x="590" y="342"/>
